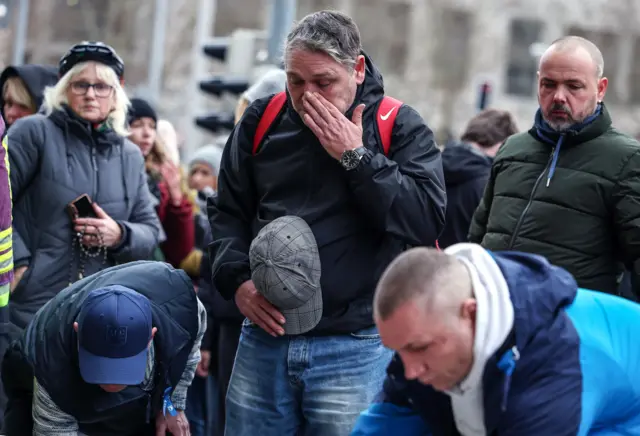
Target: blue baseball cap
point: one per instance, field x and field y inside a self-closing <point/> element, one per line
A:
<point x="114" y="331"/>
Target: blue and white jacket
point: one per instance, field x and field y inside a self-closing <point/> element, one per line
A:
<point x="575" y="370"/>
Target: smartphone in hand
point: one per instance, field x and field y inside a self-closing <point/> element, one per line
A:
<point x="81" y="207"/>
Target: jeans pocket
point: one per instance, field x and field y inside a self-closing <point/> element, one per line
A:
<point x="368" y="333"/>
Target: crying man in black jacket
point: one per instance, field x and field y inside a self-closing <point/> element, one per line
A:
<point x="322" y="159"/>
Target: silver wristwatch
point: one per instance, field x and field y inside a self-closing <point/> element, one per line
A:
<point x="351" y="158"/>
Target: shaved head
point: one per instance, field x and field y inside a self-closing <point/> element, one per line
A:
<point x="570" y="44"/>
<point x="442" y="281"/>
<point x="425" y="310"/>
<point x="570" y="83"/>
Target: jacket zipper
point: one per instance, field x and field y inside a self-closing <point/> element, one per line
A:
<point x="526" y="208"/>
<point x="507" y="364"/>
<point x="94" y="163"/>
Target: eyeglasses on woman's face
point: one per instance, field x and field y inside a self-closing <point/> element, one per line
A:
<point x="100" y="89"/>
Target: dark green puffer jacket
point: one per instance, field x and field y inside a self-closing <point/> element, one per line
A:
<point x="574" y="198"/>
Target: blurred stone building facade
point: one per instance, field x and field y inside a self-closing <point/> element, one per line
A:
<point x="435" y="54"/>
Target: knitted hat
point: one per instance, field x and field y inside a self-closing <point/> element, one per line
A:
<point x="140" y="109"/>
<point x="209" y="155"/>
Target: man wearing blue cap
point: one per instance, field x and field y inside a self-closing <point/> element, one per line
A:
<point x="113" y="354"/>
<point x="113" y="343"/>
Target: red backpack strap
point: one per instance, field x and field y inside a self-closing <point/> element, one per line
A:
<point x="268" y="117"/>
<point x="386" y="117"/>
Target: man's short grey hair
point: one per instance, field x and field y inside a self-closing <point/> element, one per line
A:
<point x="442" y="282"/>
<point x="329" y="32"/>
<point x="569" y="43"/>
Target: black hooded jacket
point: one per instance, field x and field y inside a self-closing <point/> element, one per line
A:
<point x="361" y="219"/>
<point x="35" y="77"/>
<point x="465" y="173"/>
<point x="49" y="345"/>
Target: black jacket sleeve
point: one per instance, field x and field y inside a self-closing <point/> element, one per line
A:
<point x="627" y="218"/>
<point x="205" y="294"/>
<point x="470" y="200"/>
<point x="233" y="209"/>
<point x="478" y="227"/>
<point x="404" y="194"/>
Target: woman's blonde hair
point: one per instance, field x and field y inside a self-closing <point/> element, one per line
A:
<point x="167" y="134"/>
<point x="157" y="155"/>
<point x="15" y="89"/>
<point x="56" y="96"/>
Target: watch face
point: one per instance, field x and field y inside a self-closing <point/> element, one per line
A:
<point x="350" y="159"/>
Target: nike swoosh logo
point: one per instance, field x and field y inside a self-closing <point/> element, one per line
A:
<point x="385" y="117"/>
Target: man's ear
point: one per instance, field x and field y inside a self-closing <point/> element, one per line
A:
<point x="468" y="309"/>
<point x="603" y="84"/>
<point x="360" y="69"/>
<point x="75" y="326"/>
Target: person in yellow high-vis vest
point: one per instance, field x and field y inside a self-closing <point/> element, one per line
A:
<point x="6" y="256"/>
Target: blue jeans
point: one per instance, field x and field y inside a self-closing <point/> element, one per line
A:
<point x="297" y="385"/>
<point x="201" y="405"/>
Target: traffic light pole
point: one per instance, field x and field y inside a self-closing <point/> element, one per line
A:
<point x="237" y="52"/>
<point x="156" y="64"/>
<point x="20" y="33"/>
<point x="283" y="13"/>
<point x="204" y="29"/>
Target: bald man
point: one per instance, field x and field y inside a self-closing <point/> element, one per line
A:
<point x="569" y="188"/>
<point x="502" y="345"/>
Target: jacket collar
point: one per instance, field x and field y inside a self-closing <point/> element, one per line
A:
<point x="591" y="128"/>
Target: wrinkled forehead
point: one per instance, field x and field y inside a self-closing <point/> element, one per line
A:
<point x="312" y="64"/>
<point x="574" y="63"/>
